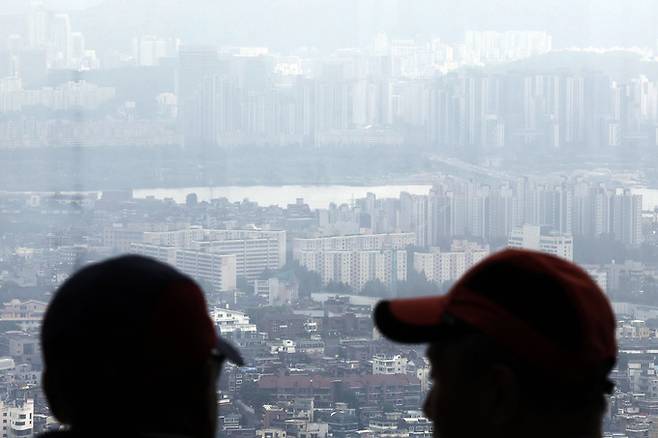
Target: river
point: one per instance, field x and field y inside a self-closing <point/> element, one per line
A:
<point x="319" y="196"/>
<point x="316" y="196"/>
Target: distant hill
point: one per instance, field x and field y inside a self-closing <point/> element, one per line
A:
<point x="619" y="65"/>
<point x="330" y="24"/>
<point x="337" y="23"/>
<point x="272" y="23"/>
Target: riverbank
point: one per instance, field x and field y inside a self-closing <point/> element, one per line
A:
<point x="71" y="169"/>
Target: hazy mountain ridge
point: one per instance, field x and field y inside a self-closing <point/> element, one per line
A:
<point x="329" y="24"/>
<point x="619" y="65"/>
<point x="286" y="24"/>
<point x="272" y="23"/>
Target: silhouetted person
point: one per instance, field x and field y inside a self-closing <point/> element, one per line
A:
<point x="130" y="350"/>
<point x="521" y="346"/>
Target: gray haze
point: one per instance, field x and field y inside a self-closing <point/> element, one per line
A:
<point x="335" y="23"/>
<point x="285" y="24"/>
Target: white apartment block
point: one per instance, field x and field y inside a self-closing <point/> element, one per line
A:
<point x="356" y="260"/>
<point x="382" y="364"/>
<point x="255" y="251"/>
<point x="360" y="242"/>
<point x="336" y="266"/>
<point x="17" y="419"/>
<point x="534" y="238"/>
<point x="387" y="266"/>
<point x="356" y="268"/>
<point x="557" y="244"/>
<point x="218" y="271"/>
<point x="440" y="267"/>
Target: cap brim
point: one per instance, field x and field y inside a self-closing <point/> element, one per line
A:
<point x="226" y="350"/>
<point x="411" y="321"/>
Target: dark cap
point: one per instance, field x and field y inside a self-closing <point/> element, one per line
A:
<point x="542" y="308"/>
<point x="132" y="308"/>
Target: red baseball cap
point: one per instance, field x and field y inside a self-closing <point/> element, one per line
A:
<point x="544" y="309"/>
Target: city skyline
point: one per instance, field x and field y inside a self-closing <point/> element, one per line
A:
<point x="303" y="160"/>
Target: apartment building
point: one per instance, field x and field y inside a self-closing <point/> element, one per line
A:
<point x="356" y="268"/>
<point x="360" y="242"/>
<point x="203" y="252"/>
<point x="356" y="260"/>
<point x="542" y="239"/>
<point x="214" y="270"/>
<point x="442" y="266"/>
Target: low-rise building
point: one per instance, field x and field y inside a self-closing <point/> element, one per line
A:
<point x="634" y="329"/>
<point x="229" y="321"/>
<point x="270" y="433"/>
<point x="382" y="364"/>
<point x="306" y="429"/>
<point x="276" y="291"/>
<point x="22" y="347"/>
<point x="17" y="418"/>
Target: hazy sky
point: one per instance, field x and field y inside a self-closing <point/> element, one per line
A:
<point x="16" y="6"/>
<point x="329" y="23"/>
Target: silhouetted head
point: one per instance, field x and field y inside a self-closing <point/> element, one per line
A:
<point x="128" y="345"/>
<point x="522" y="344"/>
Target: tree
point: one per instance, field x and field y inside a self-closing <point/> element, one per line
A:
<point x="375" y="288"/>
<point x="338" y="286"/>
<point x="598" y="250"/>
<point x="253" y="396"/>
<point x="417" y="285"/>
<point x="309" y="282"/>
<point x="243" y="285"/>
<point x="205" y="286"/>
